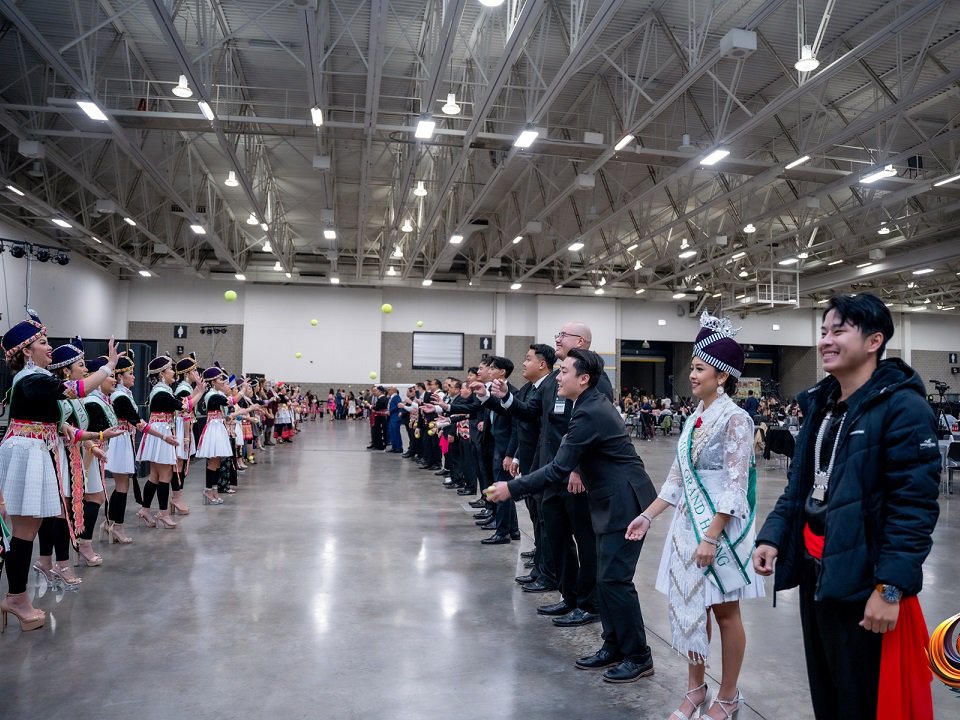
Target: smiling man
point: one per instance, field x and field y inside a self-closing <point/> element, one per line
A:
<point x="854" y="524"/>
<point x="617" y="485"/>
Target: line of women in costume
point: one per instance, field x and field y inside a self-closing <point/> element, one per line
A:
<point x="73" y="420"/>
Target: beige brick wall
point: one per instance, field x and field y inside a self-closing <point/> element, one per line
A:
<point x="798" y="370"/>
<point x="933" y="365"/>
<point x="228" y="348"/>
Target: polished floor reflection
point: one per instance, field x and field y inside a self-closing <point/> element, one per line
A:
<point x="340" y="583"/>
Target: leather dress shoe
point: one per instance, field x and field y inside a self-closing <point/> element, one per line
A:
<point x="466" y="491"/>
<point x="528" y="564"/>
<point x="628" y="671"/>
<point x="538" y="587"/>
<point x="456" y="485"/>
<point x="525" y="579"/>
<point x="442" y="471"/>
<point x="496" y="540"/>
<point x="491" y="525"/>
<point x="527" y="554"/>
<point x="515" y="535"/>
<point x="600" y="659"/>
<point x="478" y="503"/>
<point x="407" y="455"/>
<point x="575" y="618"/>
<point x="483" y="515"/>
<point x="431" y="467"/>
<point x="560" y="608"/>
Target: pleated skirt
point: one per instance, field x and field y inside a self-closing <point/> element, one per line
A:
<point x="215" y="440"/>
<point x="28" y="478"/>
<point x="155" y="450"/>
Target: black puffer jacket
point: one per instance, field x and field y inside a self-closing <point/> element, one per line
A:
<point x="882" y="506"/>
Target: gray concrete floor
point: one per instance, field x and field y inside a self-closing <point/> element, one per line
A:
<point x="341" y="583"/>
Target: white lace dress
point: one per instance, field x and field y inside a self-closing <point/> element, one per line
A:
<point x="722" y="454"/>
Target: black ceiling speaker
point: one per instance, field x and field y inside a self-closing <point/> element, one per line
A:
<point x="62" y="259"/>
<point x="18" y="251"/>
<point x="43" y="255"/>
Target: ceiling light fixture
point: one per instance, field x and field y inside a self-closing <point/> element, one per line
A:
<point x="803" y="255"/>
<point x="698" y="287"/>
<point x="639" y="291"/>
<point x="947" y="308"/>
<point x="182" y="88"/>
<point x="252" y="220"/>
<point x="679" y="295"/>
<point x="334" y="280"/>
<point x="206" y="110"/>
<point x="863" y="265"/>
<point x="277" y="266"/>
<point x="632" y="247"/>
<point x="144" y="273"/>
<point x="198" y="229"/>
<point x="264" y="227"/>
<point x="737" y="255"/>
<point x="623" y="142"/>
<point x="391" y="271"/>
<point x="599" y="291"/>
<point x="661" y="322"/>
<point x="130" y="221"/>
<point x="744" y="273"/>
<point x="406" y="227"/>
<point x="799" y="161"/>
<point x="884" y="230"/>
<point x="834" y="262"/>
<point x="456" y="239"/>
<point x="712" y="158"/>
<point x="557" y="287"/>
<point x="518" y="239"/>
<point x="808" y="61"/>
<point x="240" y="276"/>
<point x="231" y="180"/>
<point x="60" y="223"/>
<point x="526" y="138"/>
<point x="450" y="107"/>
<point x="491" y="3"/>
<point x="789" y="261"/>
<point x="92" y="110"/>
<point x="924" y="271"/>
<point x="686" y="254"/>
<point x="397" y="253"/>
<point x="918" y="308"/>
<point x="685" y="146"/>
<point x="289" y="275"/>
<point x="603" y="280"/>
<point x="575" y="247"/>
<point x="267" y="247"/>
<point x="98" y="241"/>
<point x="16" y="191"/>
<point x="516" y="286"/>
<point x="749" y="228"/>
<point x="329" y="234"/>
<point x="886" y="172"/>
<point x="316" y="115"/>
<point x="716" y="295"/>
<point x="637" y="265"/>
<point x="420" y="190"/>
<point x="425" y="127"/>
<point x="947" y="180"/>
<point x="427" y="282"/>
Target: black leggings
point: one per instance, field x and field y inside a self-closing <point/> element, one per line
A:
<point x="54" y="535"/>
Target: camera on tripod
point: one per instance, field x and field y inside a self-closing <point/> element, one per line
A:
<point x="940" y="386"/>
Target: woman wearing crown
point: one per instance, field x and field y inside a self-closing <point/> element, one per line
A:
<point x="706" y="564"/>
<point x="30" y="454"/>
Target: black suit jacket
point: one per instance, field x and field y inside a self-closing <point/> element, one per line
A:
<point x="495" y="437"/>
<point x="526" y="432"/>
<point x="618" y="487"/>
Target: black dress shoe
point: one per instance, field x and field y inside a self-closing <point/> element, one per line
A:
<point x="575" y="618"/>
<point x="496" y="540"/>
<point x="449" y="482"/>
<point x="515" y="535"/>
<point x="528" y="564"/>
<point x="483" y="515"/>
<point x="628" y="671"/>
<point x="407" y="455"/>
<point x="492" y="525"/>
<point x="466" y="491"/>
<point x="560" y="608"/>
<point x="442" y="472"/>
<point x="538" y="587"/>
<point x="527" y="554"/>
<point x="525" y="579"/>
<point x="478" y="503"/>
<point x="431" y="467"/>
<point x="600" y="659"/>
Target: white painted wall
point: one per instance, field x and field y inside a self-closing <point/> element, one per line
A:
<point x="75" y="299"/>
<point x="174" y="298"/>
<point x="933" y="332"/>
<point x="441" y="310"/>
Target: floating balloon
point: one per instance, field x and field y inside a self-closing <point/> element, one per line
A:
<point x="230" y="295"/>
<point x="386" y="308"/>
<point x="419" y="323"/>
<point x="298" y="355"/>
<point x="373" y="375"/>
<point x="314" y="322"/>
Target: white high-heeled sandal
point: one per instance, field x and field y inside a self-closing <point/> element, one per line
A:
<point x="696" y="708"/>
<point x="736" y="702"/>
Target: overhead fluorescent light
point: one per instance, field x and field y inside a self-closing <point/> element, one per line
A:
<point x="420" y="190"/>
<point x="749" y="228"/>
<point x="264" y="227"/>
<point x="59" y="222"/>
<point x="16" y="191"/>
<point x="639" y="291"/>
<point x="884" y="230"/>
<point x="334" y="280"/>
<point x="267" y="247"/>
<point x="737" y="255"/>
<point x="824" y="300"/>
<point x="144" y="273"/>
<point x="491" y="3"/>
<point x="518" y="239"/>
<point x="803" y="256"/>
<point x="603" y="280"/>
<point x="516" y="286"/>
<point x="130" y="221"/>
<point x="637" y="265"/>
<point x="397" y="253"/>
<point x="863" y="265"/>
<point x="575" y="247"/>
<point x="712" y="158"/>
<point x="799" y="161"/>
<point x="277" y="266"/>
<point x="808" y="61"/>
<point x="456" y="239"/>
<point x="924" y="271"/>
<point x="98" y="241"/>
<point x="661" y="322"/>
<point x="918" y="308"/>
<point x="948" y="180"/>
<point x="329" y="234"/>
<point x="198" y="229"/>
<point x="231" y="180"/>
<point x="623" y="142"/>
<point x="834" y="262"/>
<point x="391" y="271"/>
<point x="252" y="220"/>
<point x="679" y="296"/>
<point x="599" y="291"/>
<point x="716" y="295"/>
<point x="316" y="115"/>
<point x="743" y="273"/>
<point x="182" y="88"/>
<point x="632" y="247"/>
<point x="698" y="287"/>
<point x="427" y="282"/>
<point x="947" y="308"/>
<point x="886" y="172"/>
<point x="789" y="261"/>
<point x="288" y="275"/>
<point x="526" y="138"/>
<point x="92" y="110"/>
<point x="450" y="107"/>
<point x="425" y="127"/>
<point x="206" y="110"/>
<point x="556" y="287"/>
<point x="406" y="227"/>
<point x="240" y="276"/>
<point x="687" y="254"/>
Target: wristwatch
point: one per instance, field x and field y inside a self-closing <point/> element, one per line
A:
<point x="889" y="593"/>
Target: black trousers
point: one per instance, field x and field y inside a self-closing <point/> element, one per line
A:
<point x="468" y="464"/>
<point x="571" y="546"/>
<point x="505" y="513"/>
<point x="623" y="632"/>
<point x="542" y="567"/>
<point x="843" y="659"/>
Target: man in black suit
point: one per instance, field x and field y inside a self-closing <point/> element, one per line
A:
<point x="379" y="411"/>
<point x="617" y="486"/>
<point x="570" y="538"/>
<point x="498" y="427"/>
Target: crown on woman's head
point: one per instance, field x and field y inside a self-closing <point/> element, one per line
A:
<point x="720" y="325"/>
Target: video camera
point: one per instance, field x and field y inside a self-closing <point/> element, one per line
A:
<point x="940" y="386"/>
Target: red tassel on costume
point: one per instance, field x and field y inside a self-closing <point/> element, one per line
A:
<point x="905" y="675"/>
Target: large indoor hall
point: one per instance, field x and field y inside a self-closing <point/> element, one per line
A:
<point x="520" y="359"/>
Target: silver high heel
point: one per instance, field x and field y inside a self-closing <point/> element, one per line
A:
<point x="696" y="708"/>
<point x="728" y="714"/>
<point x="207" y="500"/>
<point x="68" y="584"/>
<point x="48" y="575"/>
